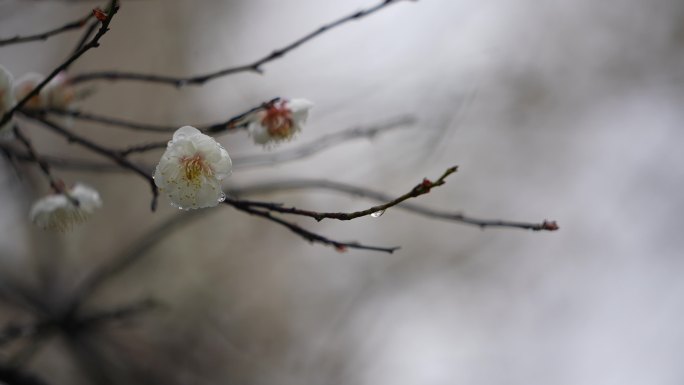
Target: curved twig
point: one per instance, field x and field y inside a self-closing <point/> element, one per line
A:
<point x="76" y="24"/>
<point x="251" y="67"/>
<point x="322" y="184"/>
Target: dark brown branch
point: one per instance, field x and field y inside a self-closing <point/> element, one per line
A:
<point x="87" y="34"/>
<point x="93" y="43"/>
<point x="42" y="164"/>
<point x="306" y="150"/>
<point x="234" y="123"/>
<point x="76" y="24"/>
<point x="420" y="189"/>
<point x="320" y="184"/>
<point x="306" y="234"/>
<point x="251" y="67"/>
<point x="101" y="150"/>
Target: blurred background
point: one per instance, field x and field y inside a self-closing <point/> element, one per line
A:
<point x="553" y="109"/>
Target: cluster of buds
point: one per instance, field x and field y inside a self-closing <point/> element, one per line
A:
<point x="58" y="93"/>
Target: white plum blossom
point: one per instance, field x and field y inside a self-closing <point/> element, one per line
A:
<point x="279" y="121"/>
<point x="191" y="169"/>
<point x="6" y="98"/>
<point x="58" y="212"/>
<point x="58" y="93"/>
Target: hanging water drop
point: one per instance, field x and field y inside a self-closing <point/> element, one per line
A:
<point x="222" y="197"/>
<point x="378" y="214"/>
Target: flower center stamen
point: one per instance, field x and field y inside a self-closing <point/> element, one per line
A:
<point x="194" y="167"/>
<point x="278" y="121"/>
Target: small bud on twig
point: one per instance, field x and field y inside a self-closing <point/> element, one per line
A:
<point x="99" y="14"/>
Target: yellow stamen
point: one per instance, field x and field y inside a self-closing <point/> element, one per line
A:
<point x="195" y="167"/>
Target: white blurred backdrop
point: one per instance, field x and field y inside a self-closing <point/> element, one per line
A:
<point x="556" y="109"/>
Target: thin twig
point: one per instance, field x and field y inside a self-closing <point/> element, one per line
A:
<point x="320" y="144"/>
<point x="76" y="24"/>
<point x="308" y="235"/>
<point x="420" y="189"/>
<point x="42" y="164"/>
<point x="321" y="184"/>
<point x="234" y="123"/>
<point x="104" y="151"/>
<point x="86" y="35"/>
<point x="251" y="67"/>
<point x="93" y="43"/>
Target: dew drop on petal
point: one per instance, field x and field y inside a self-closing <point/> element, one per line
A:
<point x="378" y="214"/>
<point x="222" y="197"/>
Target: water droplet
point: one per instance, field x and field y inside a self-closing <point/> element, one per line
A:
<point x="222" y="197"/>
<point x="378" y="214"/>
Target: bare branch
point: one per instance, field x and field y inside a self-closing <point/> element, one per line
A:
<point x="93" y="43"/>
<point x="306" y="234"/>
<point x="321" y="184"/>
<point x="418" y="190"/>
<point x="76" y="24"/>
<point x="325" y="142"/>
<point x="234" y="123"/>
<point x="44" y="166"/>
<point x="251" y="67"/>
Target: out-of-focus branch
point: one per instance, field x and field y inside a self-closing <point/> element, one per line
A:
<point x="306" y="234"/>
<point x="251" y="67"/>
<point x="97" y="318"/>
<point x="321" y="184"/>
<point x="101" y="150"/>
<point x="42" y="164"/>
<point x="420" y="189"/>
<point x="131" y="255"/>
<point x="76" y="24"/>
<point x="234" y="123"/>
<point x="92" y="43"/>
<point x="65" y="163"/>
<point x="260" y="160"/>
<point x="325" y="142"/>
<point x="12" y="332"/>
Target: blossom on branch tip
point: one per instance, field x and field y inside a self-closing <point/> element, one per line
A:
<point x="279" y="121"/>
<point x="58" y="93"/>
<point x="59" y="212"/>
<point x="191" y="169"/>
<point x="7" y="100"/>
